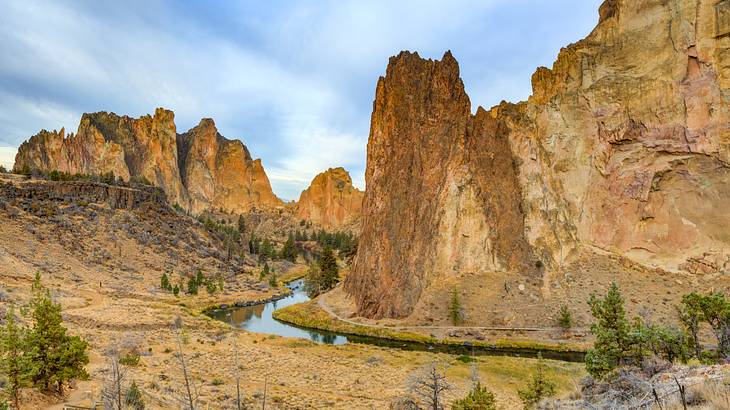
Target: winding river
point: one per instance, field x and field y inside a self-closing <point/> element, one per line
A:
<point x="259" y="319"/>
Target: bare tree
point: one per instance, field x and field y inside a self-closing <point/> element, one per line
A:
<point x="112" y="392"/>
<point x="190" y="395"/>
<point x="429" y="385"/>
<point x="237" y="372"/>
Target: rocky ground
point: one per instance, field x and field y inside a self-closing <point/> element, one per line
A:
<point x="103" y="263"/>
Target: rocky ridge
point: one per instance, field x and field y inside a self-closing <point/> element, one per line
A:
<point x="330" y="200"/>
<point x="197" y="170"/>
<point x="623" y="148"/>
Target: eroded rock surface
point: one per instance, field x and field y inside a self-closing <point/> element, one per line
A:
<point x="198" y="170"/>
<point x="330" y="200"/>
<point x="624" y="147"/>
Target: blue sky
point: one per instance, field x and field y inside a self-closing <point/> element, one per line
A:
<point x="293" y="80"/>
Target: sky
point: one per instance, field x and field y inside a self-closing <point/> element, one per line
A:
<point x="293" y="80"/>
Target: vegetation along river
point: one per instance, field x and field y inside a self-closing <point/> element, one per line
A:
<point x="259" y="319"/>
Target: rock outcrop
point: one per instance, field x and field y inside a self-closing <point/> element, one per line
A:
<point x="623" y="147"/>
<point x="330" y="200"/>
<point x="197" y="170"/>
<point x="220" y="173"/>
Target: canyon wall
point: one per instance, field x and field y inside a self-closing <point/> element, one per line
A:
<point x="330" y="200"/>
<point x="623" y="147"/>
<point x="197" y="170"/>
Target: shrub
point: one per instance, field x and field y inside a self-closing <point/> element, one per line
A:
<point x="613" y="345"/>
<point x="133" y="397"/>
<point x="456" y="313"/>
<point x="479" y="398"/>
<point x="176" y="290"/>
<point x="538" y="388"/>
<point x="130" y="359"/>
<point x="565" y="318"/>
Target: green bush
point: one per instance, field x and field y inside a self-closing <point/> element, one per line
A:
<point x="565" y="318"/>
<point x="130" y="359"/>
<point x="479" y="398"/>
<point x="538" y="388"/>
<point x="133" y="397"/>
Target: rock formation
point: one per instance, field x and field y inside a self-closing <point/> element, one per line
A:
<point x="197" y="170"/>
<point x="623" y="147"/>
<point x="220" y="173"/>
<point x="330" y="200"/>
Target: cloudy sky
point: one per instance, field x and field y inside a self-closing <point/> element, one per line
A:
<point x="293" y="80"/>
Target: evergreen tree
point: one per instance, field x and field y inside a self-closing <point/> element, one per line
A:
<point x="716" y="312"/>
<point x="176" y="290"/>
<point x="565" y="318"/>
<point x="241" y="225"/>
<point x="690" y="314"/>
<point x="479" y="398"/>
<point x="192" y="286"/>
<point x="165" y="282"/>
<point x="54" y="356"/>
<point x="289" y="251"/>
<point x="199" y="278"/>
<point x="133" y="397"/>
<point x="264" y="271"/>
<point x="538" y="388"/>
<point x="613" y="343"/>
<point x="328" y="269"/>
<point x="272" y="280"/>
<point x="456" y="311"/>
<point x="13" y="360"/>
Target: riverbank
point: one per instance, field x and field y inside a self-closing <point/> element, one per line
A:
<point x="311" y="315"/>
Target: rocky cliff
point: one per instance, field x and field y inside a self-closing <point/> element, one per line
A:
<point x="330" y="200"/>
<point x="220" y="173"/>
<point x="198" y="170"/>
<point x="623" y="147"/>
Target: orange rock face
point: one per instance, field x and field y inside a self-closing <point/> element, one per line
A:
<point x="197" y="170"/>
<point x="624" y="147"/>
<point x="219" y="173"/>
<point x="330" y="201"/>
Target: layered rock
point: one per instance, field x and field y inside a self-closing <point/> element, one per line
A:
<point x="624" y="147"/>
<point x="330" y="200"/>
<point x="198" y="170"/>
<point x="220" y="173"/>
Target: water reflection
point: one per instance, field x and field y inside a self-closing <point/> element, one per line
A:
<point x="259" y="318"/>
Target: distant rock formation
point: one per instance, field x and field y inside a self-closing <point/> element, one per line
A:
<point x="198" y="170"/>
<point x="623" y="147"/>
<point x="220" y="173"/>
<point x="330" y="200"/>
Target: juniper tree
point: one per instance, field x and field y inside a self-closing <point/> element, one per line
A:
<point x="54" y="356"/>
<point x="565" y="318"/>
<point x="13" y="360"/>
<point x="289" y="251"/>
<point x="456" y="312"/>
<point x="165" y="282"/>
<point x="479" y="398"/>
<point x="328" y="268"/>
<point x="611" y="330"/>
<point x="690" y="314"/>
<point x="539" y="386"/>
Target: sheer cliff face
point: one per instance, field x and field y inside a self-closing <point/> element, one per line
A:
<point x="330" y="201"/>
<point x="197" y="170"/>
<point x="220" y="173"/>
<point x="623" y="147"/>
<point x="442" y="192"/>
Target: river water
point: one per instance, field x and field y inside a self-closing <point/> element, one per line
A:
<point x="258" y="319"/>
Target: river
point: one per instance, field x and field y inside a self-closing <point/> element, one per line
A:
<point x="259" y="319"/>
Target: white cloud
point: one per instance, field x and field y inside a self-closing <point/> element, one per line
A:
<point x="295" y="81"/>
<point x="7" y="157"/>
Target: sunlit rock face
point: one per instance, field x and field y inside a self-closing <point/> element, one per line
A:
<point x="220" y="173"/>
<point x="623" y="147"/>
<point x="197" y="170"/>
<point x="331" y="200"/>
